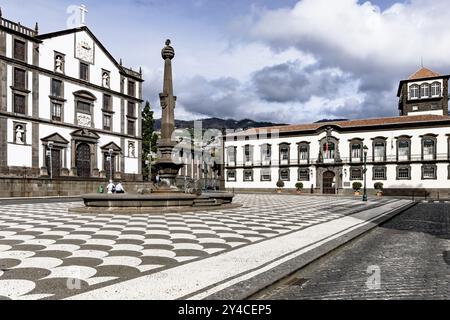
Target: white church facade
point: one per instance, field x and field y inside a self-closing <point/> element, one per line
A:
<point x="409" y="154"/>
<point x="68" y="109"/>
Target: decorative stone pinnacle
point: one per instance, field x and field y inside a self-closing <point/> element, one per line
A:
<point x="36" y="27"/>
<point x="168" y="52"/>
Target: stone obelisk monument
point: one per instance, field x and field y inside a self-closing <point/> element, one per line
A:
<point x="167" y="168"/>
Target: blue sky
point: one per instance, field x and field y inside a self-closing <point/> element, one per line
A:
<point x="289" y="61"/>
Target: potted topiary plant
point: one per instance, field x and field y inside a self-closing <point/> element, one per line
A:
<point x="357" y="188"/>
<point x="280" y="185"/>
<point x="299" y="187"/>
<point x="379" y="188"/>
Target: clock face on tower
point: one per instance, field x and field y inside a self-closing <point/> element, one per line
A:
<point x="84" y="47"/>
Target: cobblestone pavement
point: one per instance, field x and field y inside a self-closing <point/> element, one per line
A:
<point x="407" y="258"/>
<point x="48" y="253"/>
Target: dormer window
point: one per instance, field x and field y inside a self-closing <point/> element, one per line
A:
<point x="414" y="92"/>
<point x="425" y="90"/>
<point x="436" y="89"/>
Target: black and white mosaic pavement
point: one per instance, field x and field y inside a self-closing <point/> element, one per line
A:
<point x="48" y="253"/>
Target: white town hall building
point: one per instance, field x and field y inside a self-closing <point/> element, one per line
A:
<point x="408" y="154"/>
<point x="68" y="109"/>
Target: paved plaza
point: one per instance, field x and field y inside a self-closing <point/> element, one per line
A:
<point x="48" y="253"/>
<point x="411" y="254"/>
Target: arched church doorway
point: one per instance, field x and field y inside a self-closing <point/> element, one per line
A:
<point x="329" y="182"/>
<point x="83" y="160"/>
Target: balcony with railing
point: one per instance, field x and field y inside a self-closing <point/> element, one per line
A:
<point x="17" y="27"/>
<point x="343" y="161"/>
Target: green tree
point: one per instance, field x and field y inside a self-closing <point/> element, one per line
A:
<point x="149" y="138"/>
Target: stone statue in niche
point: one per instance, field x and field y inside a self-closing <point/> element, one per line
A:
<point x="131" y="150"/>
<point x="59" y="64"/>
<point x="105" y="79"/>
<point x="20" y="135"/>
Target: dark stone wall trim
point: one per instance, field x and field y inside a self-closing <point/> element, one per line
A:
<point x="63" y="77"/>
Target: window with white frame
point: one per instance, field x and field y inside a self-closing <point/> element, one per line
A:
<point x="424" y="90"/>
<point x="414" y="91"/>
<point x="435" y="89"/>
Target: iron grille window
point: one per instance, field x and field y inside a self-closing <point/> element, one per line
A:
<point x="83" y="107"/>
<point x="403" y="173"/>
<point x="379" y="173"/>
<point x="84" y="71"/>
<point x="303" y="175"/>
<point x="56" y="111"/>
<point x="20" y="79"/>
<point x="57" y="88"/>
<point x="356" y="174"/>
<point x="19" y="50"/>
<point x="19" y="103"/>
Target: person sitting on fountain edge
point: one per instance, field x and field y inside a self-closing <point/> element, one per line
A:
<point x="111" y="187"/>
<point x="119" y="188"/>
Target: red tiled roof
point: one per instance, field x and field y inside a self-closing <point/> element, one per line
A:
<point x="350" y="123"/>
<point x="423" y="73"/>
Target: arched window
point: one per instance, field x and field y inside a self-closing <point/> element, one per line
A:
<point x="379" y="151"/>
<point x="266" y="153"/>
<point x="356" y="151"/>
<point x="424" y="90"/>
<point x="284" y="153"/>
<point x="429" y="148"/>
<point x="435" y="89"/>
<point x="403" y="150"/>
<point x="328" y="150"/>
<point x="414" y="91"/>
<point x="303" y="152"/>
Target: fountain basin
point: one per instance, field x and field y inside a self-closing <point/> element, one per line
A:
<point x="155" y="203"/>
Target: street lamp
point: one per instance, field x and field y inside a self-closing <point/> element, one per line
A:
<point x="110" y="151"/>
<point x="49" y="154"/>
<point x="366" y="149"/>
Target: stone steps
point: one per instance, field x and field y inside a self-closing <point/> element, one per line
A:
<point x="206" y="202"/>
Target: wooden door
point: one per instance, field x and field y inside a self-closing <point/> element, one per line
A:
<point x="328" y="183"/>
<point x="84" y="160"/>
